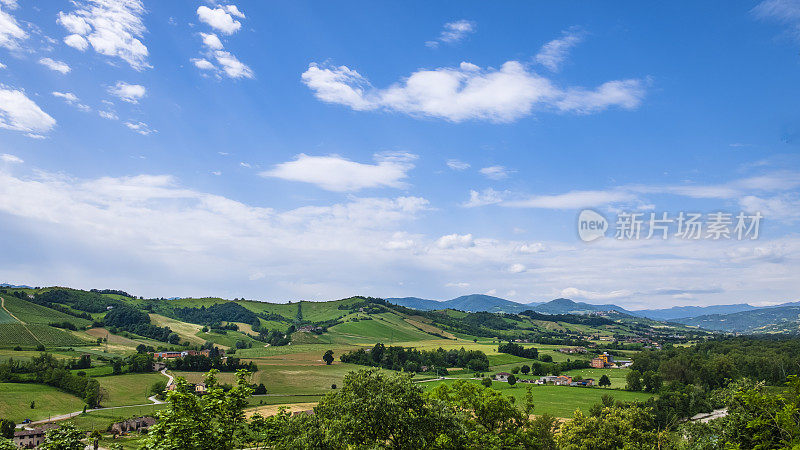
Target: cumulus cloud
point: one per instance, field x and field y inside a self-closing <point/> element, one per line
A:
<point x="221" y="19"/>
<point x="517" y="268"/>
<point x="453" y="32"/>
<point x="456" y="164"/>
<point x="468" y="92"/>
<point x="19" y="113"/>
<point x="211" y="41"/>
<point x="140" y="127"/>
<point x="553" y="54"/>
<point x="227" y="64"/>
<point x="455" y="241"/>
<point x="130" y="93"/>
<point x="56" y="66"/>
<point x="231" y="66"/>
<point x="72" y="99"/>
<point x="495" y="172"/>
<point x="10" y="31"/>
<point x="112" y="27"/>
<point x="335" y="173"/>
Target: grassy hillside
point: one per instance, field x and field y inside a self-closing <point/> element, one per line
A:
<point x="15" y="400"/>
<point x="33" y="335"/>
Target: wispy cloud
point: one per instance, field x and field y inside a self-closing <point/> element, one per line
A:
<point x="335" y="173"/>
<point x="72" y="99"/>
<point x="140" y="127"/>
<point x="56" y="66"/>
<point x="783" y="11"/>
<point x="457" y="164"/>
<point x="553" y="54"/>
<point x="20" y="113"/>
<point x="11" y="33"/>
<point x="495" y="172"/>
<point x="126" y="92"/>
<point x="453" y="32"/>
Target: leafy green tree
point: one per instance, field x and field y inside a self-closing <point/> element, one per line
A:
<point x="213" y="421"/>
<point x="634" y="381"/>
<point x="7" y="444"/>
<point x="328" y="357"/>
<point x="374" y="409"/>
<point x="604" y="381"/>
<point x="525" y="369"/>
<point x="628" y="426"/>
<point x="7" y="428"/>
<point x="651" y="381"/>
<point x="65" y="437"/>
<point x="512" y="380"/>
<point x="529" y="405"/>
<point x="487" y="382"/>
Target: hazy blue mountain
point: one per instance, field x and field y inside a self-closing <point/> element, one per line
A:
<point x="473" y="303"/>
<point x="14" y="286"/>
<point x="567" y="306"/>
<point x="679" y="312"/>
<point x="776" y="319"/>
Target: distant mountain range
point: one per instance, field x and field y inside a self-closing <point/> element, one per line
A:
<point x="487" y="303"/>
<point x="736" y="318"/>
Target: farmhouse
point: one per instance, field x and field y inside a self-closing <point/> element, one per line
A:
<point x="31" y="438"/>
<point x="136" y="424"/>
<point x="571" y="350"/>
<point x="547" y="379"/>
<point x="562" y="380"/>
<point x="502" y="376"/>
<point x="605" y="361"/>
<point x="586" y="382"/>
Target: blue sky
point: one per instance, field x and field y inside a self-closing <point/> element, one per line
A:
<point x="290" y="150"/>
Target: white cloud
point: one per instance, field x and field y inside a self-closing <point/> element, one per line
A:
<point x="203" y="64"/>
<point x="211" y="41"/>
<point x="495" y="172"/>
<point x="232" y="67"/>
<point x="453" y="32"/>
<point x="219" y="19"/>
<point x="517" y="268"/>
<point x="10" y="32"/>
<point x="455" y="241"/>
<point x="130" y="93"/>
<point x="456" y="164"/>
<point x="110" y="115"/>
<point x="533" y="247"/>
<point x="780" y="207"/>
<point x="72" y="99"/>
<point x="140" y="127"/>
<point x="19" y="113"/>
<point x="11" y="159"/>
<point x="553" y="54"/>
<point x="487" y="197"/>
<point x="468" y="92"/>
<point x="2" y="66"/>
<point x="457" y="285"/>
<point x="57" y="66"/>
<point x="77" y="41"/>
<point x="783" y="11"/>
<point x="338" y="174"/>
<point x="234" y="11"/>
<point x="112" y="27"/>
<point x="575" y="293"/>
<point x="572" y="200"/>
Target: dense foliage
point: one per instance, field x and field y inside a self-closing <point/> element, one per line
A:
<point x="214" y="314"/>
<point x="517" y="350"/>
<point x="201" y="363"/>
<point x="82" y="300"/>
<point x="413" y="360"/>
<point x="128" y="318"/>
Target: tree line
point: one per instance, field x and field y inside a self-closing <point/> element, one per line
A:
<point x="411" y="359"/>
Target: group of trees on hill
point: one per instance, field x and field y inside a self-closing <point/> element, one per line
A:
<point x="201" y="363"/>
<point x="46" y="369"/>
<point x="214" y="314"/>
<point x="517" y="350"/>
<point x="91" y="302"/>
<point x="413" y="360"/>
<point x="127" y="318"/>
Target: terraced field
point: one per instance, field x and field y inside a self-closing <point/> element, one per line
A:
<point x="32" y="335"/>
<point x="32" y="313"/>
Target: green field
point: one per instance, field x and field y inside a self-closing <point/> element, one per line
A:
<point x="15" y="400"/>
<point x="559" y="401"/>
<point x="129" y="389"/>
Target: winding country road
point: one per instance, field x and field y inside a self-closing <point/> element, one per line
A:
<point x="153" y="399"/>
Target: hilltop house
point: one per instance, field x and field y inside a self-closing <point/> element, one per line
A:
<point x="502" y="376"/>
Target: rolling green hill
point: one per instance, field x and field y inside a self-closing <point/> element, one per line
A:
<point x="32" y="313"/>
